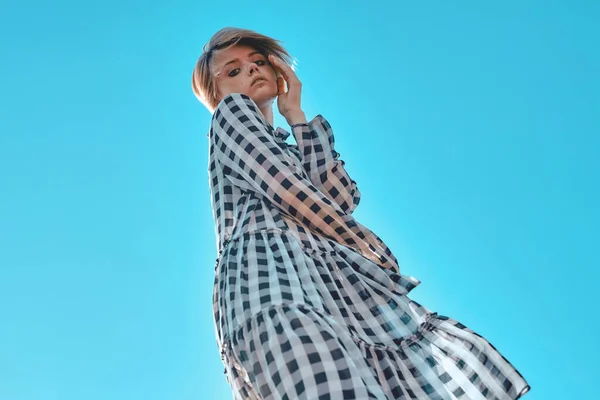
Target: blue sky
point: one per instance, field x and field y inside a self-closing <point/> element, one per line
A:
<point x="471" y="129"/>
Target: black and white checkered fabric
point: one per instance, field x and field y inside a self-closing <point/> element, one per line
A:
<point x="310" y="304"/>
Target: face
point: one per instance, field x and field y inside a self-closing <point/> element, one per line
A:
<point x="236" y="68"/>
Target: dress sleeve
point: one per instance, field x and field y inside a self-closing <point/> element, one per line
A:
<point x="251" y="158"/>
<point x="323" y="165"/>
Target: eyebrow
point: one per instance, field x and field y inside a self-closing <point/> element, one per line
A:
<point x="237" y="59"/>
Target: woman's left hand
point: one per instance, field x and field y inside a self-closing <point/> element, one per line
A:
<point x="287" y="102"/>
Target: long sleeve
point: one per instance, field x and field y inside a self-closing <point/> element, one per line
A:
<point x="316" y="145"/>
<point x="252" y="159"/>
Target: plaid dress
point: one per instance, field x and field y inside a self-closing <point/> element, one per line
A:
<point x="309" y="303"/>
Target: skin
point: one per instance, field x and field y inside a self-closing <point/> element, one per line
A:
<point x="237" y="78"/>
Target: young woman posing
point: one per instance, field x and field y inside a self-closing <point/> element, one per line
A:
<point x="309" y="303"/>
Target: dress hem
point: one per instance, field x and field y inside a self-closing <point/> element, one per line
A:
<point x="431" y="322"/>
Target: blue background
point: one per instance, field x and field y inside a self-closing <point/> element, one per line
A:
<point x="472" y="131"/>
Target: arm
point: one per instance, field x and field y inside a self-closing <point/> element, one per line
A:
<point x="252" y="160"/>
<point x="325" y="169"/>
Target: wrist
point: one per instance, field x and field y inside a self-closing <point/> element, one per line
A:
<point x="296" y="118"/>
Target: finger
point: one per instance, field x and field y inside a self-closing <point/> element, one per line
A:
<point x="285" y="69"/>
<point x="279" y="79"/>
<point x="280" y="85"/>
<point x="277" y="64"/>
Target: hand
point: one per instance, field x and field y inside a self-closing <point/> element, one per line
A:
<point x="287" y="102"/>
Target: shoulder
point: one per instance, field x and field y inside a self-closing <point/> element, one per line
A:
<point x="232" y="110"/>
<point x="237" y="112"/>
<point x="233" y="103"/>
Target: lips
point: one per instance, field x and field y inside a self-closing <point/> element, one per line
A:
<point x="257" y="80"/>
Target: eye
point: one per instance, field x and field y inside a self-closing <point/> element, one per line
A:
<point x="258" y="62"/>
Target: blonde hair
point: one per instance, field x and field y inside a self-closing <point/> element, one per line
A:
<point x="203" y="81"/>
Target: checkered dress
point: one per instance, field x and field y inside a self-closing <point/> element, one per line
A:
<point x="309" y="303"/>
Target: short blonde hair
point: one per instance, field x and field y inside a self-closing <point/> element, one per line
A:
<point x="203" y="81"/>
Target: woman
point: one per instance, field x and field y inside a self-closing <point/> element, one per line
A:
<point x="309" y="303"/>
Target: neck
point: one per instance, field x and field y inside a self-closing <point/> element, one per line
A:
<point x="267" y="111"/>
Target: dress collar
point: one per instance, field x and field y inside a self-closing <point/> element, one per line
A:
<point x="281" y="133"/>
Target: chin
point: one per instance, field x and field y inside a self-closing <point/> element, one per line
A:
<point x="263" y="95"/>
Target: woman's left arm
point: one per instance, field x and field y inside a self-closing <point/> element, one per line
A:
<point x="321" y="161"/>
<point x="315" y="142"/>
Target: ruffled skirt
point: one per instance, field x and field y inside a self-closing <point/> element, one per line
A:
<point x="293" y="323"/>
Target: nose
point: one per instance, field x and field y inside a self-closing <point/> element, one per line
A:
<point x="252" y="67"/>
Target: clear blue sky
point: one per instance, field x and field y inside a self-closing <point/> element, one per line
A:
<point x="472" y="131"/>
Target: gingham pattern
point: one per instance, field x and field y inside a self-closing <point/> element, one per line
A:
<point x="310" y="304"/>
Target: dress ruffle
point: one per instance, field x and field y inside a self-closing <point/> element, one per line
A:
<point x="390" y="346"/>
